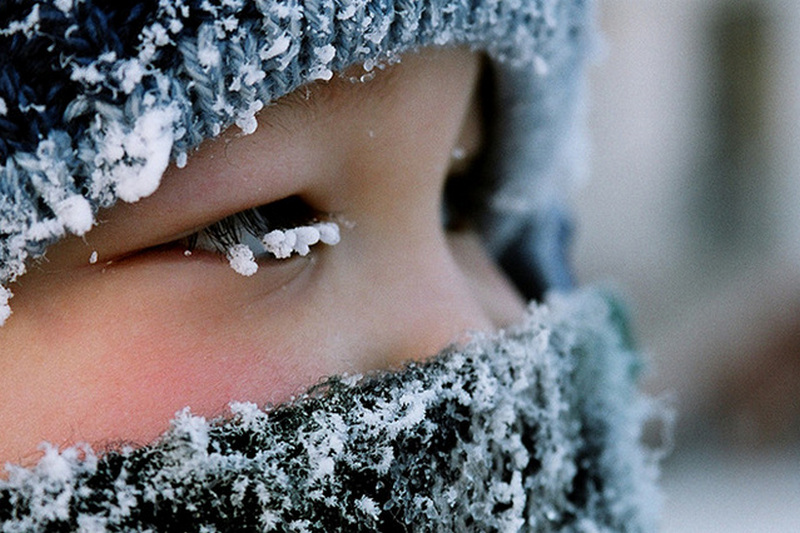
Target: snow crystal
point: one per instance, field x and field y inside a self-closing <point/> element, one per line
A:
<point x="64" y="5"/>
<point x="328" y="232"/>
<point x="5" y="309"/>
<point x="28" y="26"/>
<point x="230" y="24"/>
<point x="278" y="243"/>
<point x="347" y="13"/>
<point x="93" y="258"/>
<point x="88" y="74"/>
<point x="152" y="38"/>
<point x="208" y="55"/>
<point x="3" y="107"/>
<point x="158" y="33"/>
<point x="92" y="524"/>
<point x="191" y="430"/>
<point x="279" y="46"/>
<point x="150" y="141"/>
<point x="252" y="73"/>
<point x="175" y="26"/>
<point x="130" y="74"/>
<point x="107" y="57"/>
<point x="75" y="214"/>
<point x="325" y="55"/>
<point x="45" y="229"/>
<point x="369" y="507"/>
<point x="306" y="236"/>
<point x="246" y="119"/>
<point x="248" y="414"/>
<point x="282" y="243"/>
<point x="55" y="465"/>
<point x="241" y="259"/>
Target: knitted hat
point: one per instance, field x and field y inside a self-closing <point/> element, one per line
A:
<point x="97" y="97"/>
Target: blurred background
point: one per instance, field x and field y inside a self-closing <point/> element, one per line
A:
<point x="693" y="210"/>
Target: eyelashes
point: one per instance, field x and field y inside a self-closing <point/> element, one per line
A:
<point x="219" y="236"/>
<point x="290" y="226"/>
<point x="276" y="230"/>
<point x="281" y="244"/>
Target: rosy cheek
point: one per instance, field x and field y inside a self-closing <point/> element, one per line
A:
<point x="114" y="363"/>
<point x="133" y="395"/>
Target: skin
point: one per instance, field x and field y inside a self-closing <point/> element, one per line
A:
<point x="106" y="353"/>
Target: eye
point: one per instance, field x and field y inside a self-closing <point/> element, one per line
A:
<point x="465" y="194"/>
<point x="470" y="181"/>
<point x="275" y="231"/>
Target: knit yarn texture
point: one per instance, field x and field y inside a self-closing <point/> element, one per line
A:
<point x="97" y="97"/>
<point x="532" y="429"/>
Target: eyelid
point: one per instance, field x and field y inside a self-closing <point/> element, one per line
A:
<point x="275" y="231"/>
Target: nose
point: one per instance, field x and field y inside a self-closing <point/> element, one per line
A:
<point x="437" y="306"/>
<point x="420" y="299"/>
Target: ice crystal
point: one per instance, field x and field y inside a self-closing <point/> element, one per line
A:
<point x="283" y="243"/>
<point x="328" y="232"/>
<point x="305" y="236"/>
<point x="5" y="309"/>
<point x="279" y="243"/>
<point x="242" y="260"/>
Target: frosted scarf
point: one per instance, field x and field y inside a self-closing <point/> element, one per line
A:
<point x="535" y="428"/>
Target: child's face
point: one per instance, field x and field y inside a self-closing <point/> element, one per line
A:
<point x="108" y="352"/>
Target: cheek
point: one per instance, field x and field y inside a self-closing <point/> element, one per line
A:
<point x="116" y="364"/>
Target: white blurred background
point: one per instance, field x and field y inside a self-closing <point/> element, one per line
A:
<point x="693" y="208"/>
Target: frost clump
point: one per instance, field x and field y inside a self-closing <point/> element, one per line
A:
<point x="150" y="143"/>
<point x="242" y="260"/>
<point x="75" y="214"/>
<point x="282" y="244"/>
<point x="5" y="309"/>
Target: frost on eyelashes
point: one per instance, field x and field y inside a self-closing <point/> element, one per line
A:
<point x="281" y="244"/>
<point x="242" y="260"/>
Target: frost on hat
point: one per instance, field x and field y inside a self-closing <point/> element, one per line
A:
<point x="535" y="429"/>
<point x="97" y="97"/>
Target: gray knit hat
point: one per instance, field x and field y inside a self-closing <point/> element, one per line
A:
<point x="97" y="97"/>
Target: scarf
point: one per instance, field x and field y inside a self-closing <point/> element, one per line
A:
<point x="533" y="428"/>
